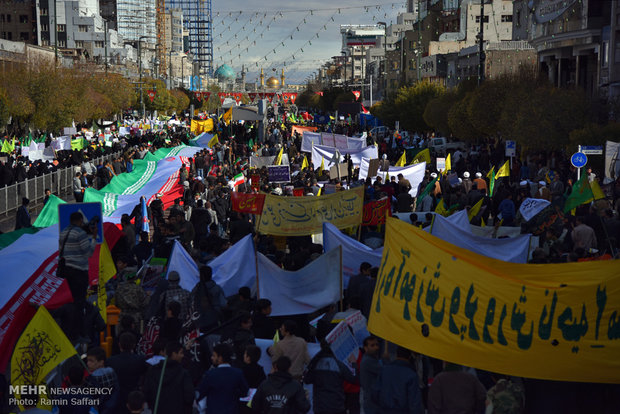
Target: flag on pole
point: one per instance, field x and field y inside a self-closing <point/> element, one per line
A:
<point x="402" y="160"/>
<point x="304" y="163"/>
<point x="39" y="349"/>
<point x="236" y="180"/>
<point x="597" y="192"/>
<point x="278" y="160"/>
<point x="441" y="208"/>
<point x="422" y="156"/>
<point x="581" y="194"/>
<point x="145" y="216"/>
<point x="504" y="171"/>
<point x="227" y="117"/>
<point x="491" y="177"/>
<point x="213" y="141"/>
<point x="475" y="209"/>
<point x="427" y="189"/>
<point x="448" y="165"/>
<point x="322" y="166"/>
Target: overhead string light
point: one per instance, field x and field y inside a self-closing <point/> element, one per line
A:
<point x="241" y="45"/>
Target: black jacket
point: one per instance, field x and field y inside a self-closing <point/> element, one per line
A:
<point x="280" y="394"/>
<point x="177" y="391"/>
<point x="327" y="374"/>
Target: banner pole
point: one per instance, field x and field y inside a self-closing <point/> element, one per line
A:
<point x="341" y="288"/>
<point x="161" y="380"/>
<point x="256" y="264"/>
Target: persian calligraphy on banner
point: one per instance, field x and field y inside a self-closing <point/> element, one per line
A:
<point x="548" y="321"/>
<point x="247" y="203"/>
<point x="298" y="216"/>
<point x="375" y="212"/>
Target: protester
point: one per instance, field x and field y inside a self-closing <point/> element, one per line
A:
<point x="396" y="390"/>
<point x="291" y="346"/>
<point x="22" y="217"/>
<point x="280" y="392"/>
<point x="105" y="379"/>
<point x="454" y="390"/>
<point x="369" y="372"/>
<point x="223" y="385"/>
<point x="128" y="366"/>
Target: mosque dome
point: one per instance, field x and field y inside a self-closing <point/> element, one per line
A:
<point x="273" y="82"/>
<point x="225" y="73"/>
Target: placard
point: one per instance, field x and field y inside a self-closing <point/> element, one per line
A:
<point x="441" y="164"/>
<point x="279" y="173"/>
<point x="342" y="341"/>
<point x="373" y="167"/>
<point x="357" y="322"/>
<point x="333" y="172"/>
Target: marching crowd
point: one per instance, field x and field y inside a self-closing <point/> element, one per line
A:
<point x="179" y="371"/>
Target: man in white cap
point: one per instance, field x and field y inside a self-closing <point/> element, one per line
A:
<point x="482" y="184"/>
<point x="543" y="192"/>
<point x="466" y="182"/>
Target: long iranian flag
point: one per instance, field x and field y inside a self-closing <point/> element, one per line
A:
<point x="32" y="259"/>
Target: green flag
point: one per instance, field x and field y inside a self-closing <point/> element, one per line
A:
<point x="49" y="214"/>
<point x="581" y="194"/>
<point x="491" y="177"/>
<point x="427" y="189"/>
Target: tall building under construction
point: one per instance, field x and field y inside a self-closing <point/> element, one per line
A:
<point x="198" y="23"/>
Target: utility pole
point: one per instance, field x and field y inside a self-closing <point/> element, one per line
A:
<point x="55" y="34"/>
<point x="481" y="50"/>
<point x="105" y="39"/>
<point x="419" y="48"/>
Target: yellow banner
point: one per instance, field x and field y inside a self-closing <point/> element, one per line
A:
<point x="299" y="216"/>
<point x="198" y="127"/>
<point x="546" y="321"/>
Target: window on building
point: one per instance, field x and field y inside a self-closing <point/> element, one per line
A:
<point x="506" y="18"/>
<point x="62" y="43"/>
<point x="23" y="36"/>
<point x="45" y="28"/>
<point x="43" y="12"/>
<point x="83" y="28"/>
<point x="605" y="54"/>
<point x="8" y="18"/>
<point x="518" y="22"/>
<point x="45" y="42"/>
<point x="485" y="20"/>
<point x="99" y="44"/>
<point x="61" y="28"/>
<point x="79" y="43"/>
<point x="23" y="18"/>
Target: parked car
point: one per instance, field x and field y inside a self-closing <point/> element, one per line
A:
<point x="379" y="132"/>
<point x="440" y="146"/>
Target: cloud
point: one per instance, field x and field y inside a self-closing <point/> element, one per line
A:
<point x="242" y="39"/>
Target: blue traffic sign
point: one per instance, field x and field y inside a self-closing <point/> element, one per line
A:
<point x="579" y="159"/>
<point x="90" y="211"/>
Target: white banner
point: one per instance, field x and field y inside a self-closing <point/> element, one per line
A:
<point x="308" y="139"/>
<point x="259" y="162"/>
<point x="354" y="253"/>
<point x="356" y="143"/>
<point x="314" y="286"/>
<point x="236" y="267"/>
<point x="612" y="161"/>
<point x="61" y="143"/>
<point x="320" y="152"/>
<point x="532" y="206"/>
<point x="510" y="250"/>
<point x="413" y="173"/>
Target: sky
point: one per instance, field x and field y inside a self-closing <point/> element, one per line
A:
<point x="274" y="34"/>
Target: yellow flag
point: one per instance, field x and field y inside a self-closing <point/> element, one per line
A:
<point x="441" y="208"/>
<point x="322" y="165"/>
<point x="107" y="269"/>
<point x="276" y="337"/>
<point x="422" y="156"/>
<point x="227" y="117"/>
<point x="320" y="190"/>
<point x="490" y="173"/>
<point x="597" y="192"/>
<point x="482" y="223"/>
<point x="504" y="171"/>
<point x="475" y="209"/>
<point x="39" y="349"/>
<point x="213" y="141"/>
<point x="402" y="160"/>
<point x="304" y="163"/>
<point x="448" y="165"/>
<point x="278" y="160"/>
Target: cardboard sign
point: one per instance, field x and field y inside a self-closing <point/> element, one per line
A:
<point x="279" y="173"/>
<point x="342" y="341"/>
<point x="373" y="167"/>
<point x="333" y="171"/>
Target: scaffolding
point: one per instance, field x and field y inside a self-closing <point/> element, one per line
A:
<point x="135" y="19"/>
<point x="197" y="21"/>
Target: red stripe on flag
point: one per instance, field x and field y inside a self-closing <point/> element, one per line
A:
<point x="42" y="288"/>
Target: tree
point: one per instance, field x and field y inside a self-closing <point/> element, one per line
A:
<point x="486" y="104"/>
<point x="436" y="112"/>
<point x="182" y="100"/>
<point x="458" y="120"/>
<point x="411" y="102"/>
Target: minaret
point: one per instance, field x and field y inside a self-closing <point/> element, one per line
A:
<point x="262" y="78"/>
<point x="282" y="78"/>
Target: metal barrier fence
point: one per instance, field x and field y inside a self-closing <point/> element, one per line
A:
<point x="60" y="182"/>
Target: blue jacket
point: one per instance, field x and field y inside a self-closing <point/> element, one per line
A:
<point x="397" y="390"/>
<point x="223" y="386"/>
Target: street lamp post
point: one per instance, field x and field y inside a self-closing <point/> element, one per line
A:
<point x="384" y="63"/>
<point x="140" y="71"/>
<point x="182" y="74"/>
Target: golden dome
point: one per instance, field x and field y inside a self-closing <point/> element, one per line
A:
<point x="273" y="82"/>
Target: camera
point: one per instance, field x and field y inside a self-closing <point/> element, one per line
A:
<point x="91" y="225"/>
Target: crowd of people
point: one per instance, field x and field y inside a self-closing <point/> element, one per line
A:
<point x="206" y="347"/>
